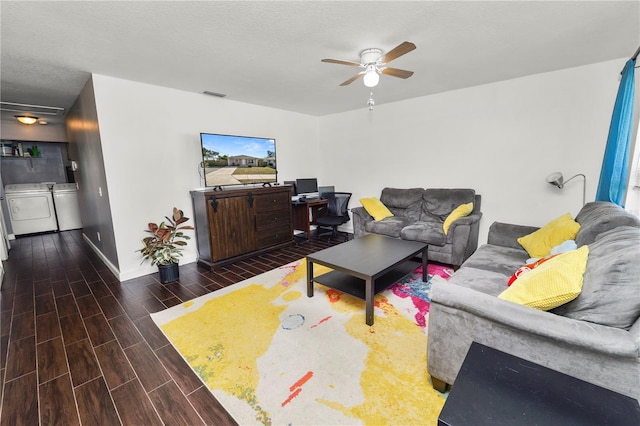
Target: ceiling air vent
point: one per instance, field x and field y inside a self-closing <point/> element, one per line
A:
<point x="218" y="95"/>
<point x="34" y="109"/>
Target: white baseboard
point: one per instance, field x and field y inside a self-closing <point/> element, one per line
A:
<point x="138" y="272"/>
<point x="102" y="257"/>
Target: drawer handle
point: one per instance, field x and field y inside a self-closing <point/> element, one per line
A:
<point x="214" y="204"/>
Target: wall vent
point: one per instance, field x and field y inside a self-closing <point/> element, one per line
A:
<point x="218" y="95"/>
<point x="35" y="109"/>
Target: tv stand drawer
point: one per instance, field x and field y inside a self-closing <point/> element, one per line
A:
<point x="273" y="236"/>
<point x="272" y="218"/>
<point x="273" y="201"/>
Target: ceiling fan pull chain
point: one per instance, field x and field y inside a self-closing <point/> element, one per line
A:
<point x="371" y="102"/>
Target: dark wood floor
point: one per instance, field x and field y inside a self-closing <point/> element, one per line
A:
<point x="79" y="347"/>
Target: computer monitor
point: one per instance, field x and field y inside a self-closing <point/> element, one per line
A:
<point x="307" y="186"/>
<point x="324" y="189"/>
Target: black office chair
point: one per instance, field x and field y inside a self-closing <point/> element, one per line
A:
<point x="337" y="213"/>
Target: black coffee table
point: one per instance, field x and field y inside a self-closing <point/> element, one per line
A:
<point x="495" y="388"/>
<point x="365" y="266"/>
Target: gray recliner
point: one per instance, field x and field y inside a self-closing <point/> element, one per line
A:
<point x="418" y="215"/>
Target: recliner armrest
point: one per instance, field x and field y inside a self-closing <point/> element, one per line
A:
<point x="360" y="211"/>
<point x="466" y="220"/>
<point x="360" y="219"/>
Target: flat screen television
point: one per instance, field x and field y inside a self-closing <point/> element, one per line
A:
<point x="238" y="160"/>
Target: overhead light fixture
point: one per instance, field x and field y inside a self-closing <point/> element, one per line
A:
<point x="25" y="119"/>
<point x="371" y="76"/>
<point x="556" y="179"/>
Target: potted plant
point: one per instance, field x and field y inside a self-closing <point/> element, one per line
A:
<point x="165" y="245"/>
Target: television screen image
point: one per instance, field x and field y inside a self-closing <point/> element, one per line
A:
<point x="238" y="160"/>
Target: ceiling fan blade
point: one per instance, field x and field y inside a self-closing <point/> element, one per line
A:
<point x="396" y="72"/>
<point x="338" y="61"/>
<point x="352" y="79"/>
<point x="399" y="50"/>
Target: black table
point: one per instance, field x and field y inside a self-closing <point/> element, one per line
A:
<point x="365" y="266"/>
<point x="495" y="388"/>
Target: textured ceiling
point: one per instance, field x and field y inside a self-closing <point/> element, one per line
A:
<point x="268" y="53"/>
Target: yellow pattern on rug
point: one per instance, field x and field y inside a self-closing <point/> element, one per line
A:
<point x="271" y="355"/>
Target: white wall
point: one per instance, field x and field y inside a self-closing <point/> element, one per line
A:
<point x="502" y="139"/>
<point x="151" y="147"/>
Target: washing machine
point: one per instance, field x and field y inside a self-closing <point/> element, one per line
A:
<point x="30" y="208"/>
<point x="65" y="198"/>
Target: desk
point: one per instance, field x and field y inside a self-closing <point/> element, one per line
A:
<point x="495" y="388"/>
<point x="305" y="214"/>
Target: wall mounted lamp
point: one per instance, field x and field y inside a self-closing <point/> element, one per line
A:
<point x="24" y="119"/>
<point x="556" y="179"/>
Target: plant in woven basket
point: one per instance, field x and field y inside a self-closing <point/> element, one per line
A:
<point x="167" y="241"/>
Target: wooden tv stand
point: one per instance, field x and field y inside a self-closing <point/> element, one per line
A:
<point x="235" y="224"/>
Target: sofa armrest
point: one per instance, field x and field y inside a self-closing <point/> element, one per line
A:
<point x="360" y="219"/>
<point x="458" y="316"/>
<point x="506" y="234"/>
<point x="610" y="340"/>
<point x="463" y="236"/>
<point x="465" y="220"/>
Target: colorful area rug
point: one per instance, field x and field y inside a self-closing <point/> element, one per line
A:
<point x="272" y="355"/>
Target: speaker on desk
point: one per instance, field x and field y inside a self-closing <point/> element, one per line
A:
<point x="293" y="186"/>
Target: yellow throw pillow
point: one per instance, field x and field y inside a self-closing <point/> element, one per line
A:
<point x="540" y="242"/>
<point x="375" y="208"/>
<point x="460" y="211"/>
<point x="553" y="283"/>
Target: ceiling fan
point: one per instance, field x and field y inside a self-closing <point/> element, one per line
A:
<point x="374" y="63"/>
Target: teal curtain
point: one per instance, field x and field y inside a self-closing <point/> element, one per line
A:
<point x="614" y="175"/>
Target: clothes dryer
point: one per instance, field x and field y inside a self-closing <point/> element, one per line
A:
<point x="65" y="198"/>
<point x="30" y="208"/>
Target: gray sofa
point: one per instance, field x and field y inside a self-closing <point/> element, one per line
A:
<point x="418" y="215"/>
<point x="595" y="337"/>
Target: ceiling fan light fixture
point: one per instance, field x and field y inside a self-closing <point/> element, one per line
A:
<point x="24" y="119"/>
<point x="371" y="76"/>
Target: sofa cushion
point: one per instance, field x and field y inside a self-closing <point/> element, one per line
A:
<point x="539" y="243"/>
<point x="440" y="202"/>
<point x="426" y="232"/>
<point x="601" y="216"/>
<point x="482" y="280"/>
<point x="403" y="202"/>
<point x="611" y="289"/>
<point x="503" y="260"/>
<point x="553" y="283"/>
<point x="390" y="226"/>
<point x="375" y="208"/>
